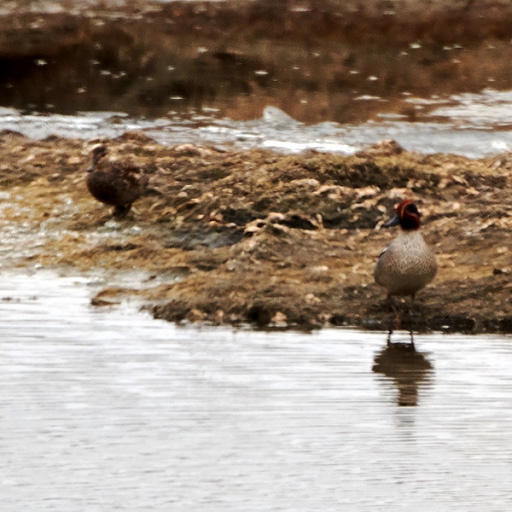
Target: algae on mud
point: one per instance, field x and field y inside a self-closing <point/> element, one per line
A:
<point x="273" y="240"/>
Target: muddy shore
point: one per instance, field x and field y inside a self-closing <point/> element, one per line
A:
<point x="229" y="237"/>
<point x="266" y="239"/>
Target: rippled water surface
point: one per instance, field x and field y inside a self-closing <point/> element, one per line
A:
<point x="107" y="409"/>
<point x="473" y="125"/>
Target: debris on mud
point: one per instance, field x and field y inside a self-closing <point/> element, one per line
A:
<point x="271" y="240"/>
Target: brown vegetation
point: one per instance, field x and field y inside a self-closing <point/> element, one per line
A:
<point x="271" y="240"/>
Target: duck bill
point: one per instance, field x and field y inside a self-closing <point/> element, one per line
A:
<point x="393" y="222"/>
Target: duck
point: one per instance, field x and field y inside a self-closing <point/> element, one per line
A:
<point x="408" y="264"/>
<point x="115" y="183"/>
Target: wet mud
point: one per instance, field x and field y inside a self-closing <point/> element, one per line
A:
<point x="279" y="241"/>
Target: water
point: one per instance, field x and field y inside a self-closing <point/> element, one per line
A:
<point x="108" y="409"/>
<point x="472" y="125"/>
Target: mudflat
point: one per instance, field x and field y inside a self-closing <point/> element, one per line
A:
<point x="284" y="241"/>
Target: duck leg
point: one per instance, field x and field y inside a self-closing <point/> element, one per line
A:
<point x="394" y="319"/>
<point x="411" y="320"/>
<point x="121" y="211"/>
<point x="411" y="334"/>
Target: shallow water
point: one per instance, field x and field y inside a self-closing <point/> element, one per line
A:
<point x="107" y="409"/>
<point x="473" y="125"/>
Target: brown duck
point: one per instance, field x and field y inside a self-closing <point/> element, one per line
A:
<point x="118" y="184"/>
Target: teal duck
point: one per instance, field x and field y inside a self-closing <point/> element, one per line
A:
<point x="408" y="264"/>
<point x="115" y="183"/>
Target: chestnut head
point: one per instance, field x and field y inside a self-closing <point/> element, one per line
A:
<point x="407" y="215"/>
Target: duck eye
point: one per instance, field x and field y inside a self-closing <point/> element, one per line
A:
<point x="411" y="208"/>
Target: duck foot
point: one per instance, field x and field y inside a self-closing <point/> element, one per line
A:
<point x="121" y="211"/>
<point x="411" y="339"/>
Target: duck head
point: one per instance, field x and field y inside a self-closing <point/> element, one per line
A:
<point x="407" y="215"/>
<point x="97" y="154"/>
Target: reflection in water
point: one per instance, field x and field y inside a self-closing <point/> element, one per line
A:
<point x="222" y="420"/>
<point x="322" y="62"/>
<point x="406" y="366"/>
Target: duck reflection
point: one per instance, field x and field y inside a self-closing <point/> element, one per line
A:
<point x="407" y="367"/>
